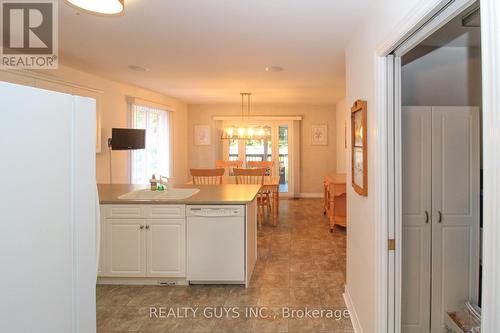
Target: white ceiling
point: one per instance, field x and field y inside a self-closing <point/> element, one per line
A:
<point x="208" y="51"/>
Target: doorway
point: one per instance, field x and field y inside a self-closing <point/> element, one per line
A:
<point x="441" y="172"/>
<point x="279" y="149"/>
<point x="432" y="115"/>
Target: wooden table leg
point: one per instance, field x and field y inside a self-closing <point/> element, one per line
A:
<point x="325" y="198"/>
<point x="331" y="215"/>
<point x="276" y="205"/>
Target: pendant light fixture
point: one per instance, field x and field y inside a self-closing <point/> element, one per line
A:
<point x="102" y="7"/>
<point x="245" y="131"/>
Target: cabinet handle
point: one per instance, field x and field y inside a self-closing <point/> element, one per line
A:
<point x="141" y="227"/>
<point x="426" y="217"/>
<point x="440" y="219"/>
<point x="147" y="227"/>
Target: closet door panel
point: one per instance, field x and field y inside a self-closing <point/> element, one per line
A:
<point x="416" y="232"/>
<point x="455" y="202"/>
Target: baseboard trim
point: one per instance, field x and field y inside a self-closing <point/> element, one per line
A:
<point x="142" y="281"/>
<point x="310" y="195"/>
<point x="350" y="306"/>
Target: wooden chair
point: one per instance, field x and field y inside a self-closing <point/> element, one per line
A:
<point x="268" y="165"/>
<point x="228" y="165"/>
<point x="254" y="176"/>
<point x="207" y="176"/>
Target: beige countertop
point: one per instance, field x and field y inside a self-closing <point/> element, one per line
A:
<point x="226" y="194"/>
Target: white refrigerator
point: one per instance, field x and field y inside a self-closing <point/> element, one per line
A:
<point x="48" y="219"/>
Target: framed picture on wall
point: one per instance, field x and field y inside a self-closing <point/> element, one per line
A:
<point x="359" y="147"/>
<point x="202" y="135"/>
<point x="319" y="135"/>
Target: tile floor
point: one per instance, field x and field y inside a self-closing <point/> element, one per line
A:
<point x="301" y="264"/>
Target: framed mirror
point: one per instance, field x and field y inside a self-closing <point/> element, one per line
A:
<point x="359" y="147"/>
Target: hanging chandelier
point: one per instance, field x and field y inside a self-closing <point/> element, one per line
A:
<point x="244" y="130"/>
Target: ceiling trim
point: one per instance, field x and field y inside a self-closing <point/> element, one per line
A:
<point x="39" y="76"/>
<point x="257" y="118"/>
<point x="149" y="103"/>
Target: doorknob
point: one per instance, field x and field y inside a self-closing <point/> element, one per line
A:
<point x="426" y="217"/>
<point x="147" y="227"/>
<point x="440" y="218"/>
<point x="141" y="227"/>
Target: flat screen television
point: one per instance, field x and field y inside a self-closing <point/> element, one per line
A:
<point x="128" y="138"/>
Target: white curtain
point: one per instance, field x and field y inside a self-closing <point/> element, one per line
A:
<point x="156" y="158"/>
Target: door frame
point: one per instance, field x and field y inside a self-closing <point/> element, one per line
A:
<point x="274" y="122"/>
<point x="427" y="17"/>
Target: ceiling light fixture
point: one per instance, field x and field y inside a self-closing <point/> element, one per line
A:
<point x="138" y="68"/>
<point x="103" y="7"/>
<point x="274" y="69"/>
<point x="244" y="130"/>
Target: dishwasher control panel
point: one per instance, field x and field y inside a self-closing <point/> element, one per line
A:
<point x="215" y="211"/>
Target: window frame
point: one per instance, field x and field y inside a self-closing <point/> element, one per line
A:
<point x="132" y="102"/>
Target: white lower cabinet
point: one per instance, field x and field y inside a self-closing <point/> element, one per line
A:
<point x="126" y="247"/>
<point x="143" y="247"/>
<point x="166" y="244"/>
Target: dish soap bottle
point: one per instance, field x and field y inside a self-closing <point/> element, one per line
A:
<point x="153" y="183"/>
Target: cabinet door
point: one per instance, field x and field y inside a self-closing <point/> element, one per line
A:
<point x="251" y="240"/>
<point x="455" y="204"/>
<point x="102" y="268"/>
<point x="125" y="247"/>
<point x="166" y="247"/>
<point x="416" y="230"/>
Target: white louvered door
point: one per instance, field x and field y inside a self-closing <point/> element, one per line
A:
<point x="416" y="231"/>
<point x="455" y="204"/>
<point x="440" y="250"/>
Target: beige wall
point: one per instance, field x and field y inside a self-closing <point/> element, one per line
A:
<point x="114" y="114"/>
<point x="315" y="161"/>
<point x="386" y="17"/>
<point x="427" y="72"/>
<point x="341" y="122"/>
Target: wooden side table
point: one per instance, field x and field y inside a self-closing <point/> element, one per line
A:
<point x="335" y="199"/>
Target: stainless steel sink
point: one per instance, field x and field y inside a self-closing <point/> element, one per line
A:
<point x="172" y="194"/>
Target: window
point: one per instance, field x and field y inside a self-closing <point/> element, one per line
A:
<point x="155" y="159"/>
<point x="279" y="148"/>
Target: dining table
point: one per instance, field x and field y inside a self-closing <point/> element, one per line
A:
<point x="270" y="185"/>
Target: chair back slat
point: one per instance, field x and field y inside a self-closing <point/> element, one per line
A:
<point x="228" y="165"/>
<point x="249" y="175"/>
<point x="207" y="176"/>
<point x="268" y="165"/>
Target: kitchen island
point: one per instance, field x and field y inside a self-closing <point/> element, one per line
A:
<point x="209" y="237"/>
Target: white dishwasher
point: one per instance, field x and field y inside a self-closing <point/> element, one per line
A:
<point x="215" y="244"/>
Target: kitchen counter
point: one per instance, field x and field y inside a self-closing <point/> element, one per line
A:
<point x="227" y="194"/>
<point x="210" y="237"/>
